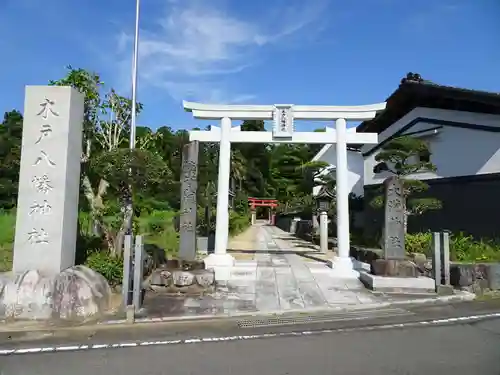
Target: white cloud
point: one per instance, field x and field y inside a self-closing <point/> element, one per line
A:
<point x="193" y="47"/>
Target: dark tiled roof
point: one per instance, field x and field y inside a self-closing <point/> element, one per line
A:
<point x="414" y="91"/>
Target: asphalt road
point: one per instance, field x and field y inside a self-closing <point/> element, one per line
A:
<point x="472" y="348"/>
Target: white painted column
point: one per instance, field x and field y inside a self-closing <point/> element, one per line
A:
<point x="342" y="263"/>
<point x="220" y="261"/>
<point x="323" y="231"/>
<point x="254" y="216"/>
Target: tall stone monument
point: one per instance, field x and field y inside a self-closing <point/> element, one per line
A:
<point x="394" y="216"/>
<point x="393" y="242"/>
<point x="49" y="180"/>
<point x="189" y="187"/>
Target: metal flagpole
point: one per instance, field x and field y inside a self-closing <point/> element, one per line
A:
<point x="134" y="75"/>
<point x="135" y="62"/>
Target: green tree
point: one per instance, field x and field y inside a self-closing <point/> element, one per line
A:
<point x="11" y="130"/>
<point x="403" y="157"/>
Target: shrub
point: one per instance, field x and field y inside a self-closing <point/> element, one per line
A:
<point x="159" y="229"/>
<point x="419" y="243"/>
<point x="110" y="267"/>
<point x="238" y="222"/>
<point x="463" y="248"/>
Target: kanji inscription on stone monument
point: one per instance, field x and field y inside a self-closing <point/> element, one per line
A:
<point x="47" y="210"/>
<point x="394" y="232"/>
<point x="189" y="186"/>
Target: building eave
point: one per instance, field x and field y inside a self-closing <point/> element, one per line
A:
<point x="419" y="93"/>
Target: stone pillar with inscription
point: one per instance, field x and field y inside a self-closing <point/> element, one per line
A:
<point x="394" y="216"/>
<point x="49" y="180"/>
<point x="189" y="186"/>
<point x="394" y="263"/>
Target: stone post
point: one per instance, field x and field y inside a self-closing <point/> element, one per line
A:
<point x="323" y="231"/>
<point x="138" y="272"/>
<point x="127" y="268"/>
<point x="441" y="262"/>
<point x="49" y="180"/>
<point x="254" y="216"/>
<point x="189" y="185"/>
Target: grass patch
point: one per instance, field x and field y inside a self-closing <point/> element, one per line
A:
<point x="7" y="231"/>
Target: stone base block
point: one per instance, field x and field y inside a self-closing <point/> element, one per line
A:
<point x="394" y="268"/>
<point x="410" y="285"/>
<point x="77" y="293"/>
<point x="445" y="290"/>
<point x="221" y="264"/>
<point x="343" y="268"/>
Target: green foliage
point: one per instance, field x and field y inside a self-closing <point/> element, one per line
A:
<point x="7" y="226"/>
<point x="108" y="266"/>
<point x="238" y="223"/>
<point x="419" y="243"/>
<point x="463" y="248"/>
<point x="402" y="157"/>
<point x="159" y="229"/>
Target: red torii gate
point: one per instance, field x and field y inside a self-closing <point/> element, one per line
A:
<point x="263" y="202"/>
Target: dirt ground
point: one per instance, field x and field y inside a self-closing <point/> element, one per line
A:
<point x="243" y="241"/>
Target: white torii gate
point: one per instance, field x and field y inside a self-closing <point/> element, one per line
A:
<point x="283" y="132"/>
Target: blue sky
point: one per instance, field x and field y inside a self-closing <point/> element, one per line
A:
<point x="254" y="52"/>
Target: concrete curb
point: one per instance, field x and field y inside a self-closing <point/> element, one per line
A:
<point x="211" y="339"/>
<point x="462" y="297"/>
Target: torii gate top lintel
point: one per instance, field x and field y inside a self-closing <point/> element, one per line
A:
<point x="267" y="112"/>
<point x="283" y="116"/>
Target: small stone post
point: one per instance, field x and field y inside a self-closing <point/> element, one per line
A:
<point x="138" y="272"/>
<point x="254" y="216"/>
<point x="436" y="258"/>
<point x="445" y="258"/>
<point x="127" y="265"/>
<point x="323" y="231"/>
<point x="441" y="262"/>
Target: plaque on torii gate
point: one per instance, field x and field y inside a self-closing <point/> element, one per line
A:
<point x="283" y="132"/>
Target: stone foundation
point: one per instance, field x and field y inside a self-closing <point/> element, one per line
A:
<point x="183" y="277"/>
<point x="394" y="268"/>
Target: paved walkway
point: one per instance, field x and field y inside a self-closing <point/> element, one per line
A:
<point x="276" y="276"/>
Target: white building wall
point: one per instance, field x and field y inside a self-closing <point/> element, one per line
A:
<point x="354" y="166"/>
<point x="455" y="151"/>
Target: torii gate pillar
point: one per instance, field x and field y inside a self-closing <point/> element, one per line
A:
<point x="283" y="132"/>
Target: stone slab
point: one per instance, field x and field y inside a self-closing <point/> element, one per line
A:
<point x="267" y="296"/>
<point x="288" y="292"/>
<point x="244" y="273"/>
<point x="49" y="180"/>
<point x="398" y="284"/>
<point x="311" y="294"/>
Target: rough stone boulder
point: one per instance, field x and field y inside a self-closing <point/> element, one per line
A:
<point x="77" y="293"/>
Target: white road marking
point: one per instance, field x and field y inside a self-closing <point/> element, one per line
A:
<point x="85" y="347"/>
